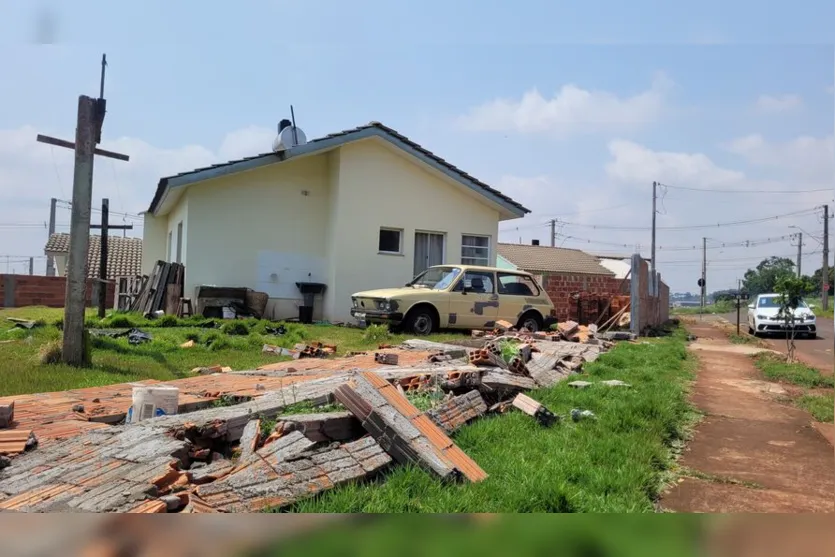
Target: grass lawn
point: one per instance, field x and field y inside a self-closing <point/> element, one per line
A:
<point x="775" y="368"/>
<point x="822" y="407"/>
<point x="116" y="361"/>
<point x="717" y="308"/>
<point x="615" y="464"/>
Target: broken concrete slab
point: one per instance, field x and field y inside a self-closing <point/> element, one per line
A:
<point x="501" y="383"/>
<point x="324" y="427"/>
<point x="249" y="438"/>
<point x="456" y="412"/>
<point x="402" y="431"/>
<point x="427" y="345"/>
<point x="615" y="383"/>
<point x="580" y="384"/>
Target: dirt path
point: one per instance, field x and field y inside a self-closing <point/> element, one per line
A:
<point x="751" y="453"/>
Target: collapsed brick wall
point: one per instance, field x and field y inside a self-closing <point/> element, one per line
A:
<point x="33" y="290"/>
<point x="561" y="286"/>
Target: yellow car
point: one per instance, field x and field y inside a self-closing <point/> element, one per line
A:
<point x="457" y="297"/>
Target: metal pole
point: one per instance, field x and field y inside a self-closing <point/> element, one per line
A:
<point x="825" y="268"/>
<point x="738" y="304"/>
<point x="704" y="273"/>
<point x="50" y="262"/>
<point x="652" y="256"/>
<point x="31" y="266"/>
<point x="85" y="143"/>
<point x="105" y="213"/>
<point x="553" y="233"/>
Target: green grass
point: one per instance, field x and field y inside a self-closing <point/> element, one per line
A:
<point x="821" y="407"/>
<point x="575" y="536"/>
<point x="614" y="464"/>
<point x="775" y="368"/>
<point x="114" y="360"/>
<point x="742" y="339"/>
<point x="717" y="308"/>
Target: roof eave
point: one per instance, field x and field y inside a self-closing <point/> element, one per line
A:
<point x="513" y="210"/>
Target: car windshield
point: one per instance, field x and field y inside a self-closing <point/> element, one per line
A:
<point x="436" y="278"/>
<point x="774" y="303"/>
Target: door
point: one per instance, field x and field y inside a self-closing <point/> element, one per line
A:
<point x="474" y="303"/>
<point x="429" y="251"/>
<point x="515" y="296"/>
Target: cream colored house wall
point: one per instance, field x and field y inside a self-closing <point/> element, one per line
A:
<point x="154" y="241"/>
<point x="178" y="215"/>
<point x="263" y="229"/>
<point x="377" y="186"/>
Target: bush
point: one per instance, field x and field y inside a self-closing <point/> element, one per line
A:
<point x="117" y="322"/>
<point x="193" y="336"/>
<point x="376" y="333"/>
<point x="235" y="328"/>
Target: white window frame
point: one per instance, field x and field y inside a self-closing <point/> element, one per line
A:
<point x="170" y="244"/>
<point x="489" y="248"/>
<point x="180" y="242"/>
<point x="400" y="231"/>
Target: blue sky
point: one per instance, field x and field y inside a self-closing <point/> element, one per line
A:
<point x="628" y="93"/>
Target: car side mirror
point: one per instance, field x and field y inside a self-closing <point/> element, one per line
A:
<point x="750" y="306"/>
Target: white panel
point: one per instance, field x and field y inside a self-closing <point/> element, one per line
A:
<point x="277" y="273"/>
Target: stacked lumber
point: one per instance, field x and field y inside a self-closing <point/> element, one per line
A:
<point x="155" y="294"/>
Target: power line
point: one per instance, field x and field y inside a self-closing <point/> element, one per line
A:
<point x="744" y="191"/>
<point x="719" y="244"/>
<point x="694" y="226"/>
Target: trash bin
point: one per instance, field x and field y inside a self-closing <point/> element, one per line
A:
<point x="306" y="314"/>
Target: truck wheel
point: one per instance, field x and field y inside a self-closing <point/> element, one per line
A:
<point x="421" y="322"/>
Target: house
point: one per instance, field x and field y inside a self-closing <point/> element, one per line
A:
<point x="124" y="255"/>
<point x="355" y="210"/>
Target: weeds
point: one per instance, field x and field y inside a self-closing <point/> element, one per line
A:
<point x="376" y="333"/>
<point x="50" y="353"/>
<point x="236" y="327"/>
<point x="821" y="407"/>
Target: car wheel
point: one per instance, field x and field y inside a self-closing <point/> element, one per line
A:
<point x="531" y="322"/>
<point x="421" y="322"/>
<point x="750" y="330"/>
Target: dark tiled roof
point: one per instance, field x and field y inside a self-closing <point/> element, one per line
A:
<point x="344" y="133"/>
<point x="552" y="260"/>
<point x="124" y="255"/>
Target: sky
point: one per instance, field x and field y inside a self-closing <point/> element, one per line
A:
<point x="573" y="109"/>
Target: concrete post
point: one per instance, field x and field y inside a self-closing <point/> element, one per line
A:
<point x="635" y="295"/>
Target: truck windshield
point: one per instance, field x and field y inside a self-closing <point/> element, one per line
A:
<point x="436" y="278"/>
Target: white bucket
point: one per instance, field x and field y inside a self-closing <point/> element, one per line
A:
<point x="150" y="402"/>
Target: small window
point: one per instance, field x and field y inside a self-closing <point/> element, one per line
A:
<point x="517" y="285"/>
<point x="391" y="241"/>
<point x="477" y="282"/>
<point x="475" y="250"/>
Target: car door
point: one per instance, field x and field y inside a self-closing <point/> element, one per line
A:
<point x="516" y="293"/>
<point x="473" y="302"/>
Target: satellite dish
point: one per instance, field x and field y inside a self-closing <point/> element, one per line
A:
<point x="288" y="136"/>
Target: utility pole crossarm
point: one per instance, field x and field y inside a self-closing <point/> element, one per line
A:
<point x="70" y="145"/>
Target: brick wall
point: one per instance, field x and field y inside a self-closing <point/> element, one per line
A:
<point x="561" y="286"/>
<point x="32" y="290"/>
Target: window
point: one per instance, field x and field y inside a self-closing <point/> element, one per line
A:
<point x="475" y="250"/>
<point x="477" y="282"/>
<point x="180" y="242"/>
<point x="391" y="241"/>
<point x="517" y="285"/>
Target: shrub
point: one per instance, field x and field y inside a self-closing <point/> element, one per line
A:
<point x="167" y="321"/>
<point x="118" y="322"/>
<point x="50" y="353"/>
<point x="193" y="336"/>
<point x="235" y="328"/>
<point x="376" y="333"/>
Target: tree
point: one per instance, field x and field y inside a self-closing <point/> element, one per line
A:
<point x="724" y="295"/>
<point x="792" y="290"/>
<point x="764" y="278"/>
<point x="816" y="281"/>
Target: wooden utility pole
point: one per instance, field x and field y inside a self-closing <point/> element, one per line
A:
<point x="105" y="227"/>
<point x="87" y="134"/>
<point x="553" y="233"/>
<point x="825" y="268"/>
<point x="799" y="251"/>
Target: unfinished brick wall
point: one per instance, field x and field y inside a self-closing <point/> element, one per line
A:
<point x="561" y="286"/>
<point x="32" y="290"/>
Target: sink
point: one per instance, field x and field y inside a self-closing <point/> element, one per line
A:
<point x="311" y="287"/>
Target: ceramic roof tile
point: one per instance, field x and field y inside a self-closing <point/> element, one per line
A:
<point x="124" y="254"/>
<point x="552" y="260"/>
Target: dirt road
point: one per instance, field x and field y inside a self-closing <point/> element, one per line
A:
<point x="817" y="353"/>
<point x="750" y="453"/>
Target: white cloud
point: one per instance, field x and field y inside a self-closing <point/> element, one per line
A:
<point x="635" y="164"/>
<point x="812" y="158"/>
<point x="33" y="172"/>
<point x="571" y="110"/>
<point x="779" y="103"/>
